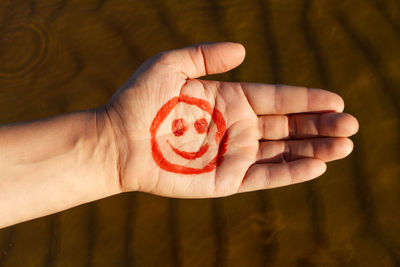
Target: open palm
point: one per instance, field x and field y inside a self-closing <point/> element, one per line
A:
<point x="183" y="137"/>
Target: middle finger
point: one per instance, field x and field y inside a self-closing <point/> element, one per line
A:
<point x="296" y="126"/>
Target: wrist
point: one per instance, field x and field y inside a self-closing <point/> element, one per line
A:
<point x="104" y="146"/>
<point x="118" y="132"/>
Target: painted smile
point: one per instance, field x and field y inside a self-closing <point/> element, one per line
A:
<point x="214" y="150"/>
<point x="190" y="155"/>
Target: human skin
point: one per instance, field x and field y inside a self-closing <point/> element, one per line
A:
<point x="265" y="136"/>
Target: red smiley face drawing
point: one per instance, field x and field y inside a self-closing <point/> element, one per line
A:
<point x="195" y="145"/>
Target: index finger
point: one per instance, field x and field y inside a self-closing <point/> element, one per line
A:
<point x="285" y="99"/>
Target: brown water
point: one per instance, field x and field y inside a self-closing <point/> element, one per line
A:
<point x="60" y="56"/>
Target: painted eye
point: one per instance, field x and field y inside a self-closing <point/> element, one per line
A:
<point x="179" y="127"/>
<point x="201" y="125"/>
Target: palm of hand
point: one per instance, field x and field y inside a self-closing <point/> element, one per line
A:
<point x="160" y="151"/>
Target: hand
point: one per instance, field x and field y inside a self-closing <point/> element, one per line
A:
<point x="183" y="137"/>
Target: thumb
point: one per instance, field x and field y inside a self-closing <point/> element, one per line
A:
<point x="204" y="58"/>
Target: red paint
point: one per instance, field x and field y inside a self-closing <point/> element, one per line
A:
<point x="190" y="155"/>
<point x="201" y="125"/>
<point x="216" y="117"/>
<point x="222" y="149"/>
<point x="179" y="127"/>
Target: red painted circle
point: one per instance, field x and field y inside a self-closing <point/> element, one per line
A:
<point x="201" y="125"/>
<point x="179" y="127"/>
<point x="216" y="117"/>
